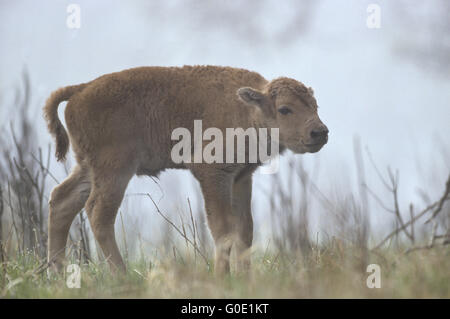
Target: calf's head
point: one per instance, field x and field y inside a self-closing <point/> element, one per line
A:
<point x="290" y="106"/>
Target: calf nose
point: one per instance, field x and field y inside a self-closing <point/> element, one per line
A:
<point x="319" y="132"/>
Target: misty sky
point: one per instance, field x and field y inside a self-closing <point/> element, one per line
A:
<point x="364" y="87"/>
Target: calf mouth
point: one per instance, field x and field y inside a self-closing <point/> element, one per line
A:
<point x="314" y="147"/>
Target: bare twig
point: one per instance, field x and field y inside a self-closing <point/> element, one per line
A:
<point x="193" y="228"/>
<point x="437" y="206"/>
<point x="433" y="241"/>
<point x="441" y="201"/>
<point x="179" y="231"/>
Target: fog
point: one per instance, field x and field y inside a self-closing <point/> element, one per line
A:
<point x="389" y="87"/>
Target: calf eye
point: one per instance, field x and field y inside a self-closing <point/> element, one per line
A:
<point x="284" y="110"/>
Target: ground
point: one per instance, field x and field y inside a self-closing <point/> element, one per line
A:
<point x="331" y="272"/>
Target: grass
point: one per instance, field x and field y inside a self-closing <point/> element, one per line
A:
<point x="331" y="272"/>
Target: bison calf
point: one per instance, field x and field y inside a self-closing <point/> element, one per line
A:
<point x="120" y="125"/>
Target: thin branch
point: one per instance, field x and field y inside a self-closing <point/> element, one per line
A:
<point x="437" y="206"/>
<point x="441" y="202"/>
<point x="179" y="231"/>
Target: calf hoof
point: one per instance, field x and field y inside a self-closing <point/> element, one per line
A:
<point x="54" y="270"/>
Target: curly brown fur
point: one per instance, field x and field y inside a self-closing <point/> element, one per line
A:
<point x="278" y="85"/>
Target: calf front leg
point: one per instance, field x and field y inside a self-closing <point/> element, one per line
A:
<point x="242" y="195"/>
<point x="217" y="188"/>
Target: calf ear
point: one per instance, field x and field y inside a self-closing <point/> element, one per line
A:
<point x="251" y="96"/>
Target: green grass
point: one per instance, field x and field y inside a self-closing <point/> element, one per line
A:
<point x="325" y="273"/>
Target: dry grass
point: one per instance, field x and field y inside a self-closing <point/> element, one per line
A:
<point x="331" y="272"/>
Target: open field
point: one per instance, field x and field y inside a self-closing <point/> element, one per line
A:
<point x="329" y="272"/>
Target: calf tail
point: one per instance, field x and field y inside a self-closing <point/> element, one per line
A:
<point x="54" y="125"/>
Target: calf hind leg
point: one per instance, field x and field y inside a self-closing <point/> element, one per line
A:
<point x="104" y="201"/>
<point x="66" y="201"/>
